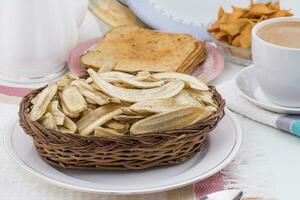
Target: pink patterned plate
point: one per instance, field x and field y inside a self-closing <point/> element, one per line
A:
<point x="210" y="69"/>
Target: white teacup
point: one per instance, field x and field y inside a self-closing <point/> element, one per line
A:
<point x="277" y="68"/>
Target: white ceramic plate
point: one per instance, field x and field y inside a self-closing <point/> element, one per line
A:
<point x="190" y="16"/>
<point x="247" y="85"/>
<point x="223" y="144"/>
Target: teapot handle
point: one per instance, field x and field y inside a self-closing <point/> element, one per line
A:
<point x="79" y="8"/>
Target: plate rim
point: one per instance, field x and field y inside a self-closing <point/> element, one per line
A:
<point x="152" y="17"/>
<point x="12" y="154"/>
<point x="269" y="107"/>
<point x="216" y="56"/>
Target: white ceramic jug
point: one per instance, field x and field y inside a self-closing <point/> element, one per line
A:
<point x="36" y="36"/>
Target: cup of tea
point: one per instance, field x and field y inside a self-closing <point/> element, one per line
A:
<point x="276" y="59"/>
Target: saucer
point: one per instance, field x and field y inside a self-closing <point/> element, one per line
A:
<point x="247" y="85"/>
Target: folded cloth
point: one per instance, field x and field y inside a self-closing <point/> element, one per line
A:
<point x="238" y="104"/>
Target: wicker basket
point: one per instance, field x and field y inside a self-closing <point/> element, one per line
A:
<point x="74" y="151"/>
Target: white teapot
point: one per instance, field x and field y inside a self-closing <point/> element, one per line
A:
<point x="36" y="36"/>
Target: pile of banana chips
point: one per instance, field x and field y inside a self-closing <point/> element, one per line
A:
<point x="114" y="103"/>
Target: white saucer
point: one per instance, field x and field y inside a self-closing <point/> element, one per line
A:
<point x="248" y="87"/>
<point x="223" y="144"/>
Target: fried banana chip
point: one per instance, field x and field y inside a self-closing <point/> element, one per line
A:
<point x="67" y="112"/>
<point x="73" y="100"/>
<point x="65" y="81"/>
<point x="155" y="106"/>
<point x="92" y="96"/>
<point x="113" y="124"/>
<point x="98" y="117"/>
<point x="58" y="115"/>
<point x="48" y="122"/>
<point x="212" y="108"/>
<point x="134" y="95"/>
<point x="145" y="76"/>
<point x="42" y="101"/>
<point x="106" y="132"/>
<point x="204" y="97"/>
<point x="114" y="76"/>
<point x="130" y="80"/>
<point x="139" y="84"/>
<point x="70" y="125"/>
<point x="85" y="112"/>
<point x="128" y="111"/>
<point x="124" y="118"/>
<point x="64" y="130"/>
<point x="172" y="120"/>
<point x="185" y="98"/>
<point x="88" y="100"/>
<point x="191" y="81"/>
<point x="164" y="105"/>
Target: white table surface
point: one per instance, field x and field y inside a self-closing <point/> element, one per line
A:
<point x="281" y="149"/>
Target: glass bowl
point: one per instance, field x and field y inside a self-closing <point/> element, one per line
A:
<point x="238" y="55"/>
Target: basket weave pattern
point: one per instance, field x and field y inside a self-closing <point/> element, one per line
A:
<point x="74" y="151"/>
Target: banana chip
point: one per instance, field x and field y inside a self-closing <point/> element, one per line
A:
<point x="139" y="84"/>
<point x="88" y="100"/>
<point x="113" y="124"/>
<point x="42" y="101"/>
<point x="114" y="76"/>
<point x="133" y="95"/>
<point x="98" y="117"/>
<point x="106" y="132"/>
<point x="164" y="105"/>
<point x="70" y="125"/>
<point x="170" y="120"/>
<point x="58" y="115"/>
<point x="145" y="76"/>
<point x="33" y="100"/>
<point x="92" y="96"/>
<point x="128" y="111"/>
<point x="65" y="109"/>
<point x="204" y="97"/>
<point x="191" y="81"/>
<point x="130" y="81"/>
<point x="73" y="100"/>
<point x="98" y="97"/>
<point x="155" y="106"/>
<point x="48" y="122"/>
<point x="85" y="112"/>
<point x="64" y="130"/>
<point x="185" y="98"/>
<point x="124" y="118"/>
<point x="65" y="81"/>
